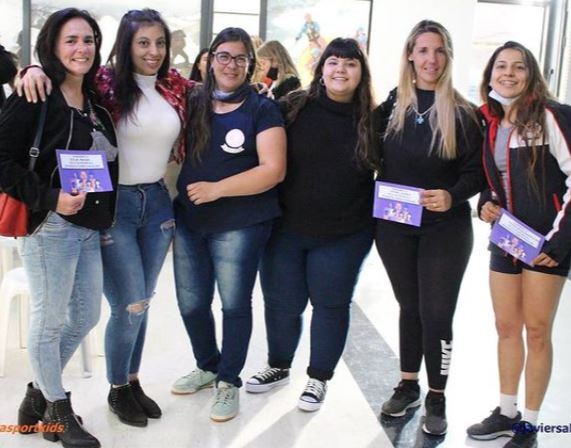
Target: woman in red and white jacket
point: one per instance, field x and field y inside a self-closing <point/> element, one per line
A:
<point x="527" y="160"/>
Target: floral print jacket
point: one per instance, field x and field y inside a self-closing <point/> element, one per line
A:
<point x="173" y="88"/>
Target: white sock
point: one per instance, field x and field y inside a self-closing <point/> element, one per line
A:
<point x="530" y="416"/>
<point x="508" y="405"/>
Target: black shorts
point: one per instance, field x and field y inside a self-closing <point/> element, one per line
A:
<point x="506" y="264"/>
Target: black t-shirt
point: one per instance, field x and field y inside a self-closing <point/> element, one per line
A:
<point x="232" y="150"/>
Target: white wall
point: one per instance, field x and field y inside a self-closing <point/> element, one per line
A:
<point x="392" y="20"/>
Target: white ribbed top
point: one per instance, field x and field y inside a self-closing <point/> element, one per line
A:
<point x="147" y="136"/>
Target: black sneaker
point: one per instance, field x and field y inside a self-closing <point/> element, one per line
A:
<point x="494" y="426"/>
<point x="267" y="379"/>
<point x="313" y="395"/>
<point x="435" y="419"/>
<point x="523" y="440"/>
<point x="406" y="395"/>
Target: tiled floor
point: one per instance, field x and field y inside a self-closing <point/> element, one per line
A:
<point x="348" y="418"/>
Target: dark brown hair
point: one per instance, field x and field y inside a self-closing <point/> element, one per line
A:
<point x="346" y="48"/>
<point x="47" y="40"/>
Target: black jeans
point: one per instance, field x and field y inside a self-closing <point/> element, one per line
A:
<point x="425" y="266"/>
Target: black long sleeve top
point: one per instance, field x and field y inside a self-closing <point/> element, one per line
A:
<point x="325" y="192"/>
<point x="406" y="158"/>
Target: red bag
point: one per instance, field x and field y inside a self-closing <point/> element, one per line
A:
<point x="14" y="213"/>
<point x="13" y="216"/>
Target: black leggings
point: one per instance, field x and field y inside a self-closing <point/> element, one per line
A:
<point x="425" y="266"/>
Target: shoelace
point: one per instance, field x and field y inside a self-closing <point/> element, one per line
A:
<point x="315" y="387"/>
<point x="195" y="372"/>
<point x="224" y="395"/>
<point x="268" y="373"/>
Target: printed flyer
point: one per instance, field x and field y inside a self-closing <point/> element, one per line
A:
<point x="398" y="203"/>
<point x="516" y="238"/>
<point x="83" y="171"/>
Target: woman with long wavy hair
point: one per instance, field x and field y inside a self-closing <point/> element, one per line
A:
<point x="430" y="140"/>
<point x="318" y="245"/>
<point x="527" y="159"/>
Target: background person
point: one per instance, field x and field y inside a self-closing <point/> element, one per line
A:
<point x="278" y="69"/>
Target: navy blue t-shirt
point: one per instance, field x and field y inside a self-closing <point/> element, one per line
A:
<point x="232" y="150"/>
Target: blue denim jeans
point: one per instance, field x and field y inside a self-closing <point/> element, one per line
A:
<point x="63" y="265"/>
<point x="229" y="259"/>
<point x="296" y="269"/>
<point x="133" y="251"/>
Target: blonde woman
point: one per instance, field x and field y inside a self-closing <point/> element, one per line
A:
<point x="278" y="68"/>
<point x="430" y="139"/>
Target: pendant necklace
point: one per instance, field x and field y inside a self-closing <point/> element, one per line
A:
<point x="420" y="116"/>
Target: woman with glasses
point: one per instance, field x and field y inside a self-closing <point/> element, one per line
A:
<point x="226" y="203"/>
<point x="148" y="105"/>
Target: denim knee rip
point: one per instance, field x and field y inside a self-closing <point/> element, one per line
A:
<point x="138" y="308"/>
<point x="168" y="225"/>
<point x="106" y="239"/>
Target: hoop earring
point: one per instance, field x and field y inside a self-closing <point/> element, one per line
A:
<point x="321" y="81"/>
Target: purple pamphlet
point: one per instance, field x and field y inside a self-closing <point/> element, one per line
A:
<point x="398" y="203"/>
<point x="83" y="171"/>
<point x="516" y="238"/>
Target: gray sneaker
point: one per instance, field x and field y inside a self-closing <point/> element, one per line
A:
<point x="406" y="396"/>
<point x="226" y="403"/>
<point x="193" y="382"/>
<point x="494" y="426"/>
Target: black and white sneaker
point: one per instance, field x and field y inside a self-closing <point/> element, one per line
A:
<point x="494" y="426"/>
<point x="406" y="395"/>
<point x="313" y="395"/>
<point x="435" y="420"/>
<point x="267" y="379"/>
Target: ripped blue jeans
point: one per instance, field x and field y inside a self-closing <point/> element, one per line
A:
<point x="133" y="252"/>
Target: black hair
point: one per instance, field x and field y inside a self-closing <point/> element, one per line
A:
<point x="195" y="74"/>
<point x="126" y="89"/>
<point x="47" y="41"/>
<point x="200" y="101"/>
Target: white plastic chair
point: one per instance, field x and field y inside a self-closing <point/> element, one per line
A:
<point x="15" y="284"/>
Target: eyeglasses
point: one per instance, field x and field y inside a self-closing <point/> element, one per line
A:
<point x="224" y="58"/>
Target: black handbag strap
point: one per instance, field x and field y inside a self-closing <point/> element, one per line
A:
<point x="35" y="148"/>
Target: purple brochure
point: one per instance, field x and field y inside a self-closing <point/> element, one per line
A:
<point x="83" y="171"/>
<point x="398" y="203"/>
<point x="516" y="238"/>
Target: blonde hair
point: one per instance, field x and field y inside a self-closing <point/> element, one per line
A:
<point x="447" y="101"/>
<point x="277" y="53"/>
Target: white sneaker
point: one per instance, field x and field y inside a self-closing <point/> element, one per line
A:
<point x="193" y="382"/>
<point x="313" y="395"/>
